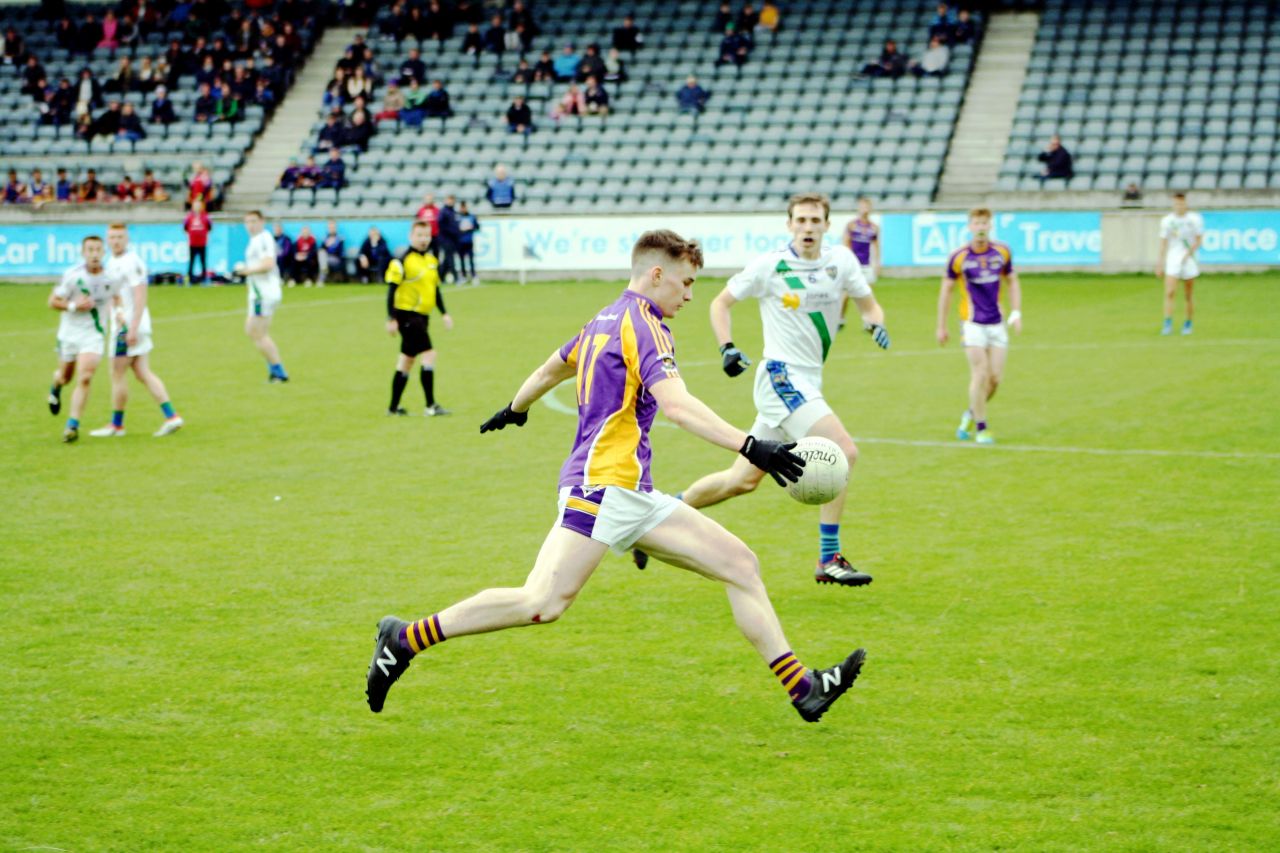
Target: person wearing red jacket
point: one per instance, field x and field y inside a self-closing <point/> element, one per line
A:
<point x="197" y="226"/>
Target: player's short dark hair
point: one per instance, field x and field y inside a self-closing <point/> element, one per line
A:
<point x="257" y="213"/>
<point x="1179" y="195"/>
<point x="92" y="238"/>
<point x="670" y="244"/>
<point x="420" y="223"/>
<point x="810" y="198"/>
<point x="980" y="213"/>
<point x="118" y="226"/>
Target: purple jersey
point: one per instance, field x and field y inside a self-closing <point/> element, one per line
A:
<point x="861" y="236"/>
<point x="622" y="353"/>
<point x="981" y="271"/>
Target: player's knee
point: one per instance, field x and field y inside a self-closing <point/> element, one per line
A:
<point x="548" y="607"/>
<point x="743" y="565"/>
<point x="851" y="452"/>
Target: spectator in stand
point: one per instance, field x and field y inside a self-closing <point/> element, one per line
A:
<point x="468" y="225"/>
<point x="473" y="43"/>
<point x="88" y="93"/>
<point x="770" y="16"/>
<point x="615" y="71"/>
<point x="65" y="189"/>
<point x="127" y="34"/>
<point x="373" y="259"/>
<point x="333" y="176"/>
<point x="32" y="75"/>
<point x="358" y="85"/>
<point x="413" y="68"/>
<point x="125" y="189"/>
<point x="162" y="108"/>
<point x="14" y="48"/>
<point x="520" y="117"/>
<point x="88" y="34"/>
<point x="596" y="98"/>
<point x="110" y="28"/>
<point x="439" y="22"/>
<point x="146" y="79"/>
<point x="152" y="190"/>
<point x="130" y="125"/>
<point x="890" y="64"/>
<point x="447" y="241"/>
<point x="41" y="190"/>
<point x="734" y="48"/>
<point x="284" y="250"/>
<point x="522" y="16"/>
<point x="62" y="104"/>
<point x="305" y="265"/>
<point x="1057" y="162"/>
<point x="64" y="33"/>
<point x="628" y="36"/>
<point x="500" y="190"/>
<point x="241" y="83"/>
<point x="15" y="191"/>
<point x="392" y="104"/>
<point x="495" y="38"/>
<point x="519" y="40"/>
<point x="933" y="63"/>
<point x="591" y="65"/>
<point x="200" y="186"/>
<point x="108" y="122"/>
<point x="691" y="97"/>
<point x="263" y="96"/>
<point x="573" y="103"/>
<point x="330" y="135"/>
<point x="566" y="64"/>
<point x="943" y="24"/>
<point x="229" y="107"/>
<point x="430" y="214"/>
<point x="359" y="132"/>
<point x="415" y="105"/>
<point x="545" y="69"/>
<point x="523" y="74"/>
<point x="436" y="104"/>
<point x="309" y="175"/>
<point x="747" y="21"/>
<point x="197" y="225"/>
<point x="723" y="18"/>
<point x="122" y="81"/>
<point x="84" y="128"/>
<point x="1132" y="195"/>
<point x="333" y="255"/>
<point x="966" y="29"/>
<point x="90" y="190"/>
<point x="289" y="177"/>
<point x="206" y="105"/>
<point x="207" y="72"/>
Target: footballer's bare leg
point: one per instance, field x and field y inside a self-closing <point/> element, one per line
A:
<point x="120" y="382"/>
<point x="61" y="376"/>
<point x="258" y="329"/>
<point x="996" y="357"/>
<point x="830" y="427"/>
<point x="149" y="380"/>
<point x="833" y="567"/>
<point x="689" y="540"/>
<point x="1170" y="292"/>
<point x="978" y="382"/>
<point x="86" y="366"/>
<point x="1188" y="286"/>
<point x="738" y="479"/>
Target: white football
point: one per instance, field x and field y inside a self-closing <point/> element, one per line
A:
<point x="826" y="471"/>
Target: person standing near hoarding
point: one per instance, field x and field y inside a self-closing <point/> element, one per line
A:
<point x="1181" y="233"/>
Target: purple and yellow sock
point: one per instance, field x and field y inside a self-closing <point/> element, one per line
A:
<point x="117" y="420"/>
<point x="982" y="426"/>
<point x="794" y="677"/>
<point x="422" y="634"/>
<point x="167" y="409"/>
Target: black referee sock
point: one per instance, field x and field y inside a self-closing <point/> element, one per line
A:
<point x="429" y="384"/>
<point x="398" y="383"/>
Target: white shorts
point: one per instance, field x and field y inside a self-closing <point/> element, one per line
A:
<point x="983" y="335"/>
<point x="1180" y="265"/>
<point x="119" y="347"/>
<point x="869" y="273"/>
<point x="788" y="400"/>
<point x="264" y="305"/>
<point x="613" y="515"/>
<point x="71" y="344"/>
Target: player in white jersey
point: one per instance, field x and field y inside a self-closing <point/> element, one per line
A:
<point x="801" y="290"/>
<point x="131" y="337"/>
<point x="1181" y="233"/>
<point x="262" y="282"/>
<point x="84" y="296"/>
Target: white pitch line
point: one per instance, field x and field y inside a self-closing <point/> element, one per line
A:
<point x="1089" y="451"/>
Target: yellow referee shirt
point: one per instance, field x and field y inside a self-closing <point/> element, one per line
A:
<point x="417" y="281"/>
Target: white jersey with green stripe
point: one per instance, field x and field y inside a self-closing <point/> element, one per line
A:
<point x="263" y="285"/>
<point x="101" y="287"/>
<point x="132" y="272"/>
<point x="800" y="300"/>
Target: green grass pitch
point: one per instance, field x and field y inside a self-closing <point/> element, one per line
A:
<point x="1072" y="636"/>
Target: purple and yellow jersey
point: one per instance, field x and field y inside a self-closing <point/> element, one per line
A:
<point x="861" y="236"/>
<point x="981" y="271"/>
<point x="622" y="353"/>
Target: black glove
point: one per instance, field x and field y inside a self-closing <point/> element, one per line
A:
<point x="774" y="458"/>
<point x="734" y="361"/>
<point x="878" y="334"/>
<point x="501" y="419"/>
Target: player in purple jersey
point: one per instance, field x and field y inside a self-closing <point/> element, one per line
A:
<point x="625" y="368"/>
<point x="982" y="265"/>
<point x="862" y="237"/>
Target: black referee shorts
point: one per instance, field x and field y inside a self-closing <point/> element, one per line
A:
<point x="414" y="338"/>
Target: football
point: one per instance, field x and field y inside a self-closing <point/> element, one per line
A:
<point x="826" y="471"/>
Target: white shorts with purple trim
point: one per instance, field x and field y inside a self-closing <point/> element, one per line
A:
<point x="613" y="515"/>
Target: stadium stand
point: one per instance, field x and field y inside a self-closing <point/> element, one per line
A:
<point x="26" y="144"/>
<point x="1167" y="94"/>
<point x="796" y="114"/>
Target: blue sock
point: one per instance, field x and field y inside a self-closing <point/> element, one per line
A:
<point x="828" y="541"/>
<point x="72" y="423"/>
<point x="117" y="419"/>
<point x="167" y="408"/>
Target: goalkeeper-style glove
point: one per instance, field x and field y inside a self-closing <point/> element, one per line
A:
<point x="774" y="458"/>
<point x="501" y="419"/>
<point x="878" y="334"/>
<point x="734" y="361"/>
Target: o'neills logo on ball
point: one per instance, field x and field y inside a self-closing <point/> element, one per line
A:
<point x="826" y="457"/>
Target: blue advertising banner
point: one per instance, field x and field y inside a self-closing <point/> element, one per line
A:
<point x="1037" y="239"/>
<point x="1241" y="237"/>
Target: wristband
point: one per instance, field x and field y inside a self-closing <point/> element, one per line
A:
<point x="1015" y="316"/>
<point x="71" y="307"/>
<point x="726" y="347"/>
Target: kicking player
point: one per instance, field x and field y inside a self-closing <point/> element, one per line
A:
<point x="262" y="280"/>
<point x="413" y="290"/>
<point x="131" y="334"/>
<point x="800" y="289"/>
<point x="862" y="237"/>
<point x="1181" y="233"/>
<point x="625" y="365"/>
<point x="83" y="296"/>
<point x="983" y="265"/>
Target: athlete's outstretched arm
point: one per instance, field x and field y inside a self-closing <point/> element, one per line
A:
<point x="549" y="374"/>
<point x="870" y="309"/>
<point x="721" y="324"/>
<point x="944" y="304"/>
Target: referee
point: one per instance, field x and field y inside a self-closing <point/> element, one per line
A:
<point x="413" y="290"/>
